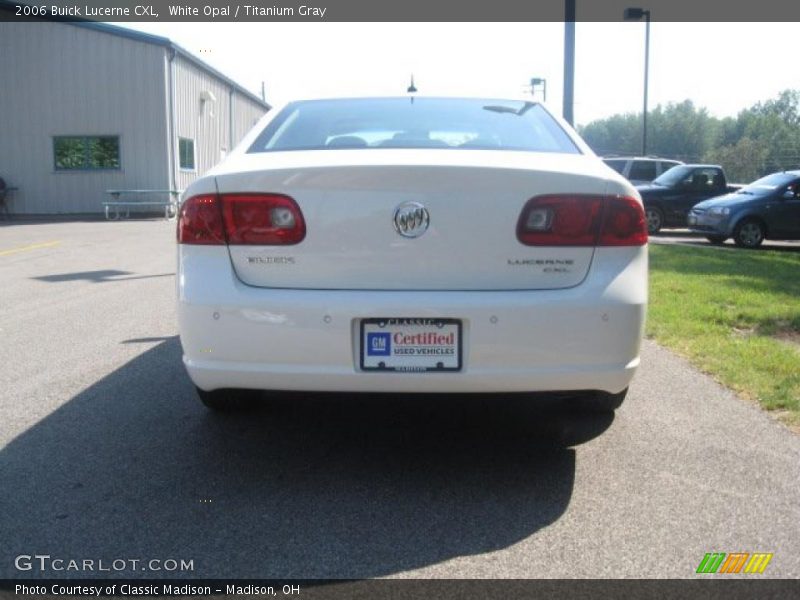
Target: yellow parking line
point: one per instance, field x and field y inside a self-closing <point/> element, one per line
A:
<point x="31" y="247"/>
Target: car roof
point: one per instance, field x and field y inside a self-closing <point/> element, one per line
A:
<point x="445" y="96"/>
<point x="793" y="173"/>
<point x="701" y="166"/>
<point x="675" y="160"/>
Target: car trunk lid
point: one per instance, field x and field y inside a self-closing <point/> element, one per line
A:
<point x="390" y="219"/>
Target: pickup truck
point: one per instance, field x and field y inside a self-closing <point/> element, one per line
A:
<point x="670" y="197"/>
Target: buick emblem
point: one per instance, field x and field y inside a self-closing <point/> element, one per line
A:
<point x="411" y="219"/>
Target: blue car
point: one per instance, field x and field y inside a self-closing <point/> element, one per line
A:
<point x="768" y="208"/>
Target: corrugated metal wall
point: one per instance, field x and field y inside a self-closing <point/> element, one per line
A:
<point x="209" y="123"/>
<point x="58" y="79"/>
<point x="246" y="113"/>
<point x="63" y="80"/>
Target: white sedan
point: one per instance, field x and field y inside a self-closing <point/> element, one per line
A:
<point x="414" y="245"/>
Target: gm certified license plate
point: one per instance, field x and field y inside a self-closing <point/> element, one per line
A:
<point x="412" y="345"/>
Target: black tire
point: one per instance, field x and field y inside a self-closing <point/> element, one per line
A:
<point x="227" y="400"/>
<point x="601" y="402"/>
<point x="654" y="219"/>
<point x="716" y="239"/>
<point x="749" y="233"/>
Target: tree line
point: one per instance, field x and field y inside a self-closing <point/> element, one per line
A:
<point x="761" y="139"/>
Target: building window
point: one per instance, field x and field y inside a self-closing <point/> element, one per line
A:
<point x="186" y="154"/>
<point x="86" y="152"/>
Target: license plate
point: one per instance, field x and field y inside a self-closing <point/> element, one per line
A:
<point x="413" y="345"/>
<point x="692" y="220"/>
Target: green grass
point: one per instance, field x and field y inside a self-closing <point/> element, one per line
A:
<point x="732" y="312"/>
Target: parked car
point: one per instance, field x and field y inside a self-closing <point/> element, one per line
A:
<point x="766" y="209"/>
<point x="415" y="245"/>
<point x="640" y="170"/>
<point x="669" y="198"/>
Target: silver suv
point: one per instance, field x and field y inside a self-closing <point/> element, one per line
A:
<point x="639" y="170"/>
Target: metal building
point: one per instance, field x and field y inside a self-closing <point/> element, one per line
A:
<point x="88" y="107"/>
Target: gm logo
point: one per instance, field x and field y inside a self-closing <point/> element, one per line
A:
<point x="719" y="562"/>
<point x="379" y="344"/>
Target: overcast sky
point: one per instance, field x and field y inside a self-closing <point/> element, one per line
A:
<point x="722" y="66"/>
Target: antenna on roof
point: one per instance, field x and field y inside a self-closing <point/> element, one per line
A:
<point x="412" y="88"/>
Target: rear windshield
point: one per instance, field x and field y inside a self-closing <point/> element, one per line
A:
<point x="414" y="123"/>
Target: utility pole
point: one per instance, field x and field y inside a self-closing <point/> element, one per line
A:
<point x="646" y="78"/>
<point x="569" y="61"/>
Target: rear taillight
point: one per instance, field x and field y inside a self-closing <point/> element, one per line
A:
<point x="582" y="220"/>
<point x="241" y="219"/>
<point x="262" y="219"/>
<point x="623" y="223"/>
<point x="200" y="221"/>
<point x="560" y="221"/>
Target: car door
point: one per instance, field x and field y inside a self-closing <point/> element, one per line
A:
<point x="701" y="184"/>
<point x="676" y="202"/>
<point x="783" y="220"/>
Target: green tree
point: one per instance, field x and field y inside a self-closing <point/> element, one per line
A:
<point x="679" y="130"/>
<point x="761" y="139"/>
<point x="682" y="131"/>
<point x="619" y="134"/>
<point x="744" y="161"/>
<point x="765" y="136"/>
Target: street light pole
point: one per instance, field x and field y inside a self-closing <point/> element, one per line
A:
<point x="542" y="82"/>
<point x="636" y="14"/>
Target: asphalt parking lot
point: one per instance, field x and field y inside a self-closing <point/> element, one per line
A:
<point x="107" y="454"/>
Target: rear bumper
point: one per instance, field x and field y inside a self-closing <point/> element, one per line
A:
<point x="586" y="337"/>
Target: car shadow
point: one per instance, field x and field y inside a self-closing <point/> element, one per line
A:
<point x="687" y="238"/>
<point x="676" y="233"/>
<point x="306" y="485"/>
<point x="100" y="276"/>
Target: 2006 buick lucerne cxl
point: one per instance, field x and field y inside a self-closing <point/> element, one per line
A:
<point x="413" y="245"/>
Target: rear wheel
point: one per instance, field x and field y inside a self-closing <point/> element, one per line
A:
<point x="749" y="233"/>
<point x="716" y="239"/>
<point x="655" y="219"/>
<point x="227" y="400"/>
<point x="601" y="401"/>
